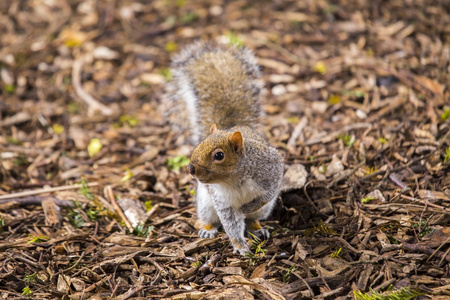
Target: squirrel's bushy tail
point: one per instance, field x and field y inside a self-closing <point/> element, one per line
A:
<point x="213" y="83"/>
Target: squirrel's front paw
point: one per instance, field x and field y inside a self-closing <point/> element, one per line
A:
<point x="207" y="233"/>
<point x="242" y="251"/>
<point x="239" y="246"/>
<point x="262" y="234"/>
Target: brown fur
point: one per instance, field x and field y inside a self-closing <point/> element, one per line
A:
<point x="222" y="81"/>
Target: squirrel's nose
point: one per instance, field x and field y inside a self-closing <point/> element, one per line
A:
<point x="191" y="169"/>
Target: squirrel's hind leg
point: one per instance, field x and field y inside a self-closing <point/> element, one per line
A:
<point x="206" y="213"/>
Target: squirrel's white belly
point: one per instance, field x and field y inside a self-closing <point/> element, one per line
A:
<point x="237" y="195"/>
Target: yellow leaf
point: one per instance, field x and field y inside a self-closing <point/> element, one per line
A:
<point x="148" y="205"/>
<point x="382" y="140"/>
<point x="94" y="147"/>
<point x="72" y="43"/>
<point x="127" y="176"/>
<point x="334" y="99"/>
<point x="58" y="128"/>
<point x="171" y="47"/>
<point x="292" y="120"/>
<point x="130" y="120"/>
<point x="320" y="67"/>
<point x="73" y="37"/>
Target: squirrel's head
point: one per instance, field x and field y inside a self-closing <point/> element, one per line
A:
<point x="215" y="159"/>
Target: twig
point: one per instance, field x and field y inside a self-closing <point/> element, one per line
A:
<point x="437" y="249"/>
<point x="444" y="256"/>
<point x="309" y="198"/>
<point x="331" y="136"/>
<point x="346" y="174"/>
<point x="74" y="265"/>
<point x="286" y="53"/>
<point x="344" y="243"/>
<point x="97" y="284"/>
<point x="37" y="200"/>
<point x="92" y="103"/>
<point x="296" y="133"/>
<point x="28" y="261"/>
<point x="45" y="190"/>
<point x="304" y="282"/>
<point x="402" y="207"/>
<point x="330" y="293"/>
<point x="426" y="250"/>
<point x="110" y="194"/>
<point x="385" y="110"/>
<point x="384" y="285"/>
<point x="422" y="201"/>
<point x="130" y="293"/>
<point x="158" y="266"/>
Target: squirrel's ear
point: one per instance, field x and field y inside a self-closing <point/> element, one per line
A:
<point x="237" y="141"/>
<point x="213" y="128"/>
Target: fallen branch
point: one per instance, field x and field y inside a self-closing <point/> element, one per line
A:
<point x="45" y="190"/>
<point x="426" y="250"/>
<point x="425" y="202"/>
<point x="296" y="133"/>
<point x="33" y="200"/>
<point x="93" y="104"/>
<point x="110" y="195"/>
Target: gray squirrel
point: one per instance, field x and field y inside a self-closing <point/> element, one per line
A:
<point x="238" y="172"/>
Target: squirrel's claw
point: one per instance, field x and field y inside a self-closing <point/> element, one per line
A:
<point x="262" y="234"/>
<point x="207" y="234"/>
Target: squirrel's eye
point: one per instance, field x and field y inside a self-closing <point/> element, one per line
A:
<point x="219" y="155"/>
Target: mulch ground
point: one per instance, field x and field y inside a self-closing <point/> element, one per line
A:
<point x="95" y="201"/>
